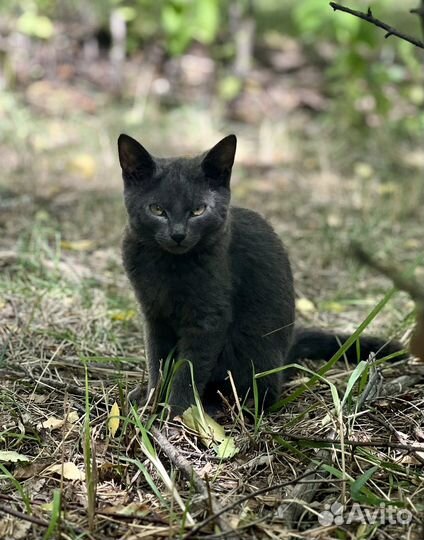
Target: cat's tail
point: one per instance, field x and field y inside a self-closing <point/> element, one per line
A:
<point x="316" y="344"/>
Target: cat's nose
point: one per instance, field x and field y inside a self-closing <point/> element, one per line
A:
<point x="178" y="237"/>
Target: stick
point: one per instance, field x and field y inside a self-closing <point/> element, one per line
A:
<point x="201" y="487"/>
<point x="32" y="519"/>
<point x="348" y="442"/>
<point x="420" y="12"/>
<point x="245" y="498"/>
<point x="407" y="284"/>
<point x="390" y="31"/>
<point x="304" y="492"/>
<point x="394" y="432"/>
<point x="37" y="521"/>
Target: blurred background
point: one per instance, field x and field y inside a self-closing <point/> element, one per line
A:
<point x="328" y="113"/>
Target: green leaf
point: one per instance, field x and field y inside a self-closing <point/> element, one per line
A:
<point x="357" y="488"/>
<point x="356" y="374"/>
<point x="34" y="25"/>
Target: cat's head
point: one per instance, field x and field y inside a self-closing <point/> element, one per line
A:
<point x="177" y="202"/>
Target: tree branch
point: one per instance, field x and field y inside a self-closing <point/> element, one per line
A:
<point x="420" y="12"/>
<point x="390" y="31"/>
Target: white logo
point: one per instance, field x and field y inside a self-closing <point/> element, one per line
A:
<point x="337" y="514"/>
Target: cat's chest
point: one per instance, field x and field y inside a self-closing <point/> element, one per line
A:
<point x="181" y="288"/>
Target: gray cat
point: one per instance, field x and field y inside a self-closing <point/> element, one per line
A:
<point x="213" y="281"/>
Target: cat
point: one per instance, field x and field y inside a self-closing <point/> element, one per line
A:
<point x="214" y="281"/>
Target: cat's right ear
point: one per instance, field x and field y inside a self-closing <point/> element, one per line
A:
<point x="218" y="162"/>
<point x="136" y="162"/>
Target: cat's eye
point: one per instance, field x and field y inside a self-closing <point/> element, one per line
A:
<point x="199" y="210"/>
<point x="157" y="210"/>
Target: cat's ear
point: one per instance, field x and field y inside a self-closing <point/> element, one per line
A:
<point x="135" y="160"/>
<point x="218" y="162"/>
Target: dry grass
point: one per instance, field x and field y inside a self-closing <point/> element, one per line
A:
<point x="65" y="304"/>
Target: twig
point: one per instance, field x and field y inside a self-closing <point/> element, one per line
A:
<point x="395" y="432"/>
<point x="201" y="487"/>
<point x="37" y="521"/>
<point x="25" y="517"/>
<point x="420" y="12"/>
<point x="407" y="283"/>
<point x="390" y="31"/>
<point x="402" y="282"/>
<point x="304" y="493"/>
<point x="245" y="498"/>
<point x="348" y="442"/>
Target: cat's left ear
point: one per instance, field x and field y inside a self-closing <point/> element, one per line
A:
<point x="218" y="162"/>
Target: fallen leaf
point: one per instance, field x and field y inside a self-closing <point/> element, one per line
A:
<point x="131" y="509"/>
<point x="411" y="459"/>
<point x="72" y="417"/>
<point x="51" y="423"/>
<point x="32" y="470"/>
<point x="77" y="245"/>
<point x="113" y="420"/>
<point x="12" y="528"/>
<point x="334" y="307"/>
<point x="305" y="306"/>
<point x="68" y="470"/>
<point x="210" y="432"/>
<point x="10" y="456"/>
<point x="364" y="170"/>
<point x="227" y="448"/>
<point x="83" y="165"/>
<point x="122" y="315"/>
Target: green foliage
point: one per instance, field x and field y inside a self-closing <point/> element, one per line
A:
<point x="185" y="20"/>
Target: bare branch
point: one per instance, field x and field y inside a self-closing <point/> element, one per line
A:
<point x="420" y="12"/>
<point x="390" y="31"/>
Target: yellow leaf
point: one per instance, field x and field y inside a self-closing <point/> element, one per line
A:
<point x="77" y="245"/>
<point x="69" y="471"/>
<point x="72" y="417"/>
<point x="364" y="170"/>
<point x="227" y="448"/>
<point x="55" y="423"/>
<point x="304" y="306"/>
<point x="113" y="420"/>
<point x="51" y="423"/>
<point x="210" y="432"/>
<point x="122" y="315"/>
<point x="334" y="307"/>
<point x="388" y="188"/>
<point x="83" y="164"/>
<point x="9" y="456"/>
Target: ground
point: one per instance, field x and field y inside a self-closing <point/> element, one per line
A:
<point x="67" y="312"/>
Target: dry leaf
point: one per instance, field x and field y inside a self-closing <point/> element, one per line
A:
<point x="305" y="306"/>
<point x="334" y="307"/>
<point x="10" y="456"/>
<point x="113" y="420"/>
<point x="77" y="245"/>
<point x="83" y="165"/>
<point x="12" y="528"/>
<point x="411" y="459"/>
<point x="69" y="471"/>
<point x="51" y="423"/>
<point x="122" y="315"/>
<point x="210" y="432"/>
<point x="32" y="470"/>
